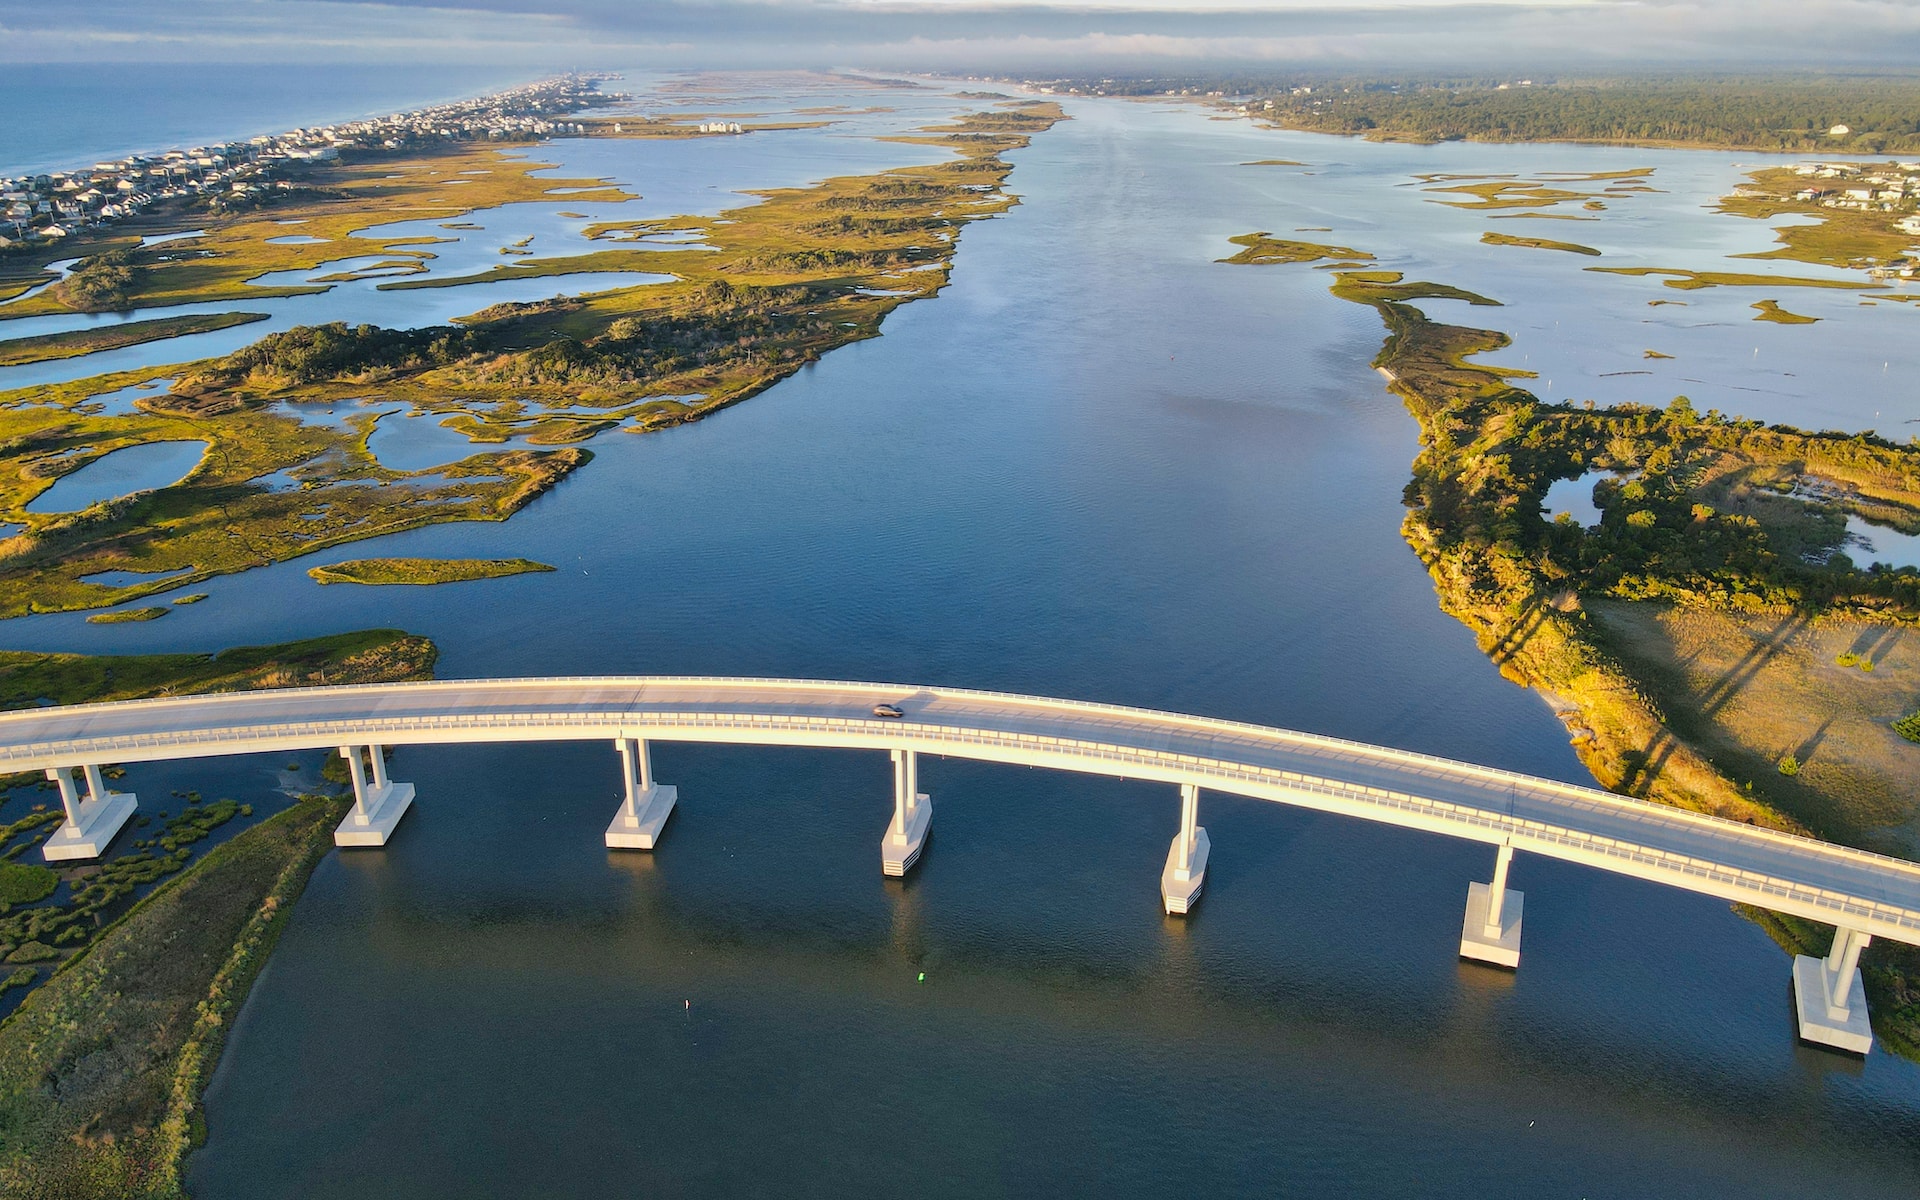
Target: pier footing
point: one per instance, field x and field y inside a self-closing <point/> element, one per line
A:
<point x="1823" y="1023"/>
<point x="901" y="846"/>
<point x="99" y="819"/>
<point x="371" y="821"/>
<point x="638" y="824"/>
<point x="1180" y="886"/>
<point x="1480" y="944"/>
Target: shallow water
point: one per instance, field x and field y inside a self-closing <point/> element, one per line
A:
<point x="407" y="443"/>
<point x="120" y="473"/>
<point x="1099" y="465"/>
<point x="1575" y="498"/>
<point x="1869" y="543"/>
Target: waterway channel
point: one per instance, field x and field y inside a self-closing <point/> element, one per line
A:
<point x="1098" y="465"/>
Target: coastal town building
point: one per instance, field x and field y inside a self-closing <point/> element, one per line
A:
<point x="48" y="207"/>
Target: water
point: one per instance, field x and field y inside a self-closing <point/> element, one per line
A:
<point x="63" y="116"/>
<point x="407" y="443"/>
<point x="1869" y="543"/>
<point x="120" y="473"/>
<point x="1575" y="498"/>
<point x="1097" y="465"/>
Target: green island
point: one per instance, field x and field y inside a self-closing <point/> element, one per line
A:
<point x="132" y="978"/>
<point x="1262" y="248"/>
<point x="1795" y="112"/>
<point x="784" y="281"/>
<point x="77" y="342"/>
<point x="1507" y="239"/>
<point x="1548" y="190"/>
<point x="1770" y="310"/>
<point x="422" y="570"/>
<point x="125" y="615"/>
<point x="1702" y="642"/>
<point x="1688" y="281"/>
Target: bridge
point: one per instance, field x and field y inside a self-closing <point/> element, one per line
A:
<point x="1862" y="895"/>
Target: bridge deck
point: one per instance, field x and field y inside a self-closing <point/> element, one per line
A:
<point x="1816" y="880"/>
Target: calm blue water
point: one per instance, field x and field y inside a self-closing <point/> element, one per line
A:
<point x="120" y="473"/>
<point x="1102" y="465"/>
<point x="61" y="116"/>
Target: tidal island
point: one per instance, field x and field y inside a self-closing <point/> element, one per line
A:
<point x="774" y="285"/>
<point x="1719" y="553"/>
<point x="419" y="571"/>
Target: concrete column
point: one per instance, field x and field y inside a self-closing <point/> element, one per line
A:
<point x="1186" y="870"/>
<point x="906" y="782"/>
<point x="1189" y="823"/>
<point x="1497" y="890"/>
<point x="1841" y="963"/>
<point x="69" y="798"/>
<point x="377" y="759"/>
<point x="645" y="805"/>
<point x="912" y="815"/>
<point x="1491" y="931"/>
<point x="358" y="769"/>
<point x="96" y="786"/>
<point x="642" y="762"/>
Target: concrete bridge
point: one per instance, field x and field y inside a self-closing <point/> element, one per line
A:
<point x="1863" y="895"/>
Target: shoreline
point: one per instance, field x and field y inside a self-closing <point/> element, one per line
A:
<point x="69" y="166"/>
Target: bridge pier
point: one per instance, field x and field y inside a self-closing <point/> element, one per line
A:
<point x="1491" y="932"/>
<point x="1830" y="998"/>
<point x="378" y="803"/>
<point x="912" y="817"/>
<point x="647" y="804"/>
<point x="91" y="823"/>
<point x="1186" y="870"/>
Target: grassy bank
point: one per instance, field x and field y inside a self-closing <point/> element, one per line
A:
<point x="1650" y="633"/>
<point x="102" y="1064"/>
<point x="102" y="1068"/>
<point x="29" y="678"/>
<point x="423" y="570"/>
<point x="1507" y="239"/>
<point x="77" y="342"/>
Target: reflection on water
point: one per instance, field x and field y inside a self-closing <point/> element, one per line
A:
<point x="1575" y="498"/>
<point x="120" y="473"/>
<point x="1869" y="543"/>
<point x="1088" y="468"/>
<point x="419" y="443"/>
<point x="1098" y="465"/>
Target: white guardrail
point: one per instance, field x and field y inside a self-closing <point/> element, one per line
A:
<point x="1727" y="859"/>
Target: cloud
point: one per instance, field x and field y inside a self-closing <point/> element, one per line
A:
<point x="970" y="34"/>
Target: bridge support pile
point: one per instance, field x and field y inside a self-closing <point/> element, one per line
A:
<point x="912" y="817"/>
<point x="378" y="802"/>
<point x="1830" y="998"/>
<point x="1186" y="870"/>
<point x="644" y="811"/>
<point x="1491" y="933"/>
<point x="91" y="823"/>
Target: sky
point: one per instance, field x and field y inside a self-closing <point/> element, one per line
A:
<point x="973" y="35"/>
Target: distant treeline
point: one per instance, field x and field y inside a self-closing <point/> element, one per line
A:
<point x="1770" y="112"/>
